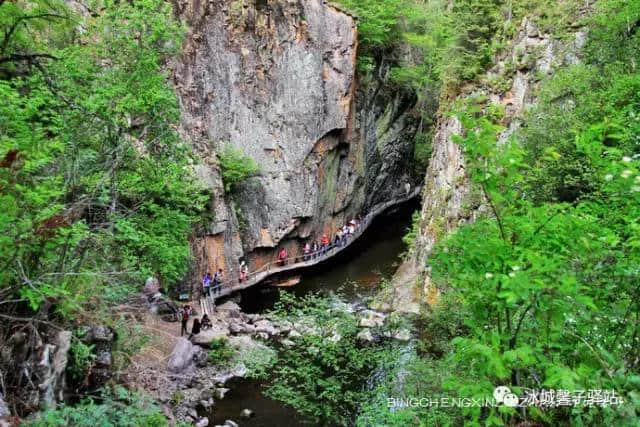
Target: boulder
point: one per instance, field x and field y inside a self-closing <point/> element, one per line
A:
<point x="229" y="306"/>
<point x="206" y="337"/>
<point x="267" y="327"/>
<point x="204" y="422"/>
<point x="246" y="413"/>
<point x="365" y="335"/>
<point x="206" y="403"/>
<point x="220" y="392"/>
<point x="230" y="423"/>
<point x="368" y="322"/>
<point x="99" y="333"/>
<point x="183" y="356"/>
<point x="287" y="343"/>
<point x="402" y="335"/>
<point x="294" y="334"/>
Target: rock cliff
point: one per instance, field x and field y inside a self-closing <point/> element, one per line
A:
<point x="276" y="79"/>
<point x="448" y="199"/>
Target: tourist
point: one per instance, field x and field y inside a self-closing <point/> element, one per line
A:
<point x="306" y="251"/>
<point x="282" y="257"/>
<point x="314" y="250"/>
<point x="205" y="323"/>
<point x="244" y="271"/>
<point x="184" y="319"/>
<point x="217" y="281"/>
<point x="358" y="222"/>
<point x="324" y="242"/>
<point x="338" y="239"/>
<point x="195" y="329"/>
<point x="206" y="284"/>
<point x="352" y="228"/>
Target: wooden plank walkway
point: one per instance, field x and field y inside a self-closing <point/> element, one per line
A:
<point x="208" y="304"/>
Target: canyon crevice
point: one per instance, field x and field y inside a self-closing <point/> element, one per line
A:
<point x="277" y="81"/>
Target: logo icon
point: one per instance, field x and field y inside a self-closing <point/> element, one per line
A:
<point x="502" y="394"/>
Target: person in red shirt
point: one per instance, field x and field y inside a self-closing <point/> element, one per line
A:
<point x="282" y="256"/>
<point x="324" y="242"/>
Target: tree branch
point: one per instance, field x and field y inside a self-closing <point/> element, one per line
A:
<point x="28" y="58"/>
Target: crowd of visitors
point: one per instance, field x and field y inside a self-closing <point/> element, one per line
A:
<point x="340" y="238"/>
<point x="198" y="325"/>
<point x="311" y="250"/>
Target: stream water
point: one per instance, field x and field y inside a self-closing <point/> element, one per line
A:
<point x="356" y="273"/>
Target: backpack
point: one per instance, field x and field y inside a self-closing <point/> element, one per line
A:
<point x="185" y="315"/>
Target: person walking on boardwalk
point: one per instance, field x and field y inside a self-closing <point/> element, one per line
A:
<point x="324" y="242"/>
<point x="337" y="241"/>
<point x="206" y="284"/>
<point x="184" y="319"/>
<point x="244" y="271"/>
<point x="306" y="251"/>
<point x="282" y="257"/>
<point x="314" y="250"/>
<point x="217" y="281"/>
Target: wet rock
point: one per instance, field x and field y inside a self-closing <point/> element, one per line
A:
<point x="294" y="334"/>
<point x="267" y="327"/>
<point x="182" y="358"/>
<point x="371" y="322"/>
<point x="230" y="423"/>
<point x="287" y="343"/>
<point x="402" y="335"/>
<point x="207" y="403"/>
<point x="365" y="335"/>
<point x="246" y="413"/>
<point x="204" y="422"/>
<point x="262" y="335"/>
<point x="220" y="392"/>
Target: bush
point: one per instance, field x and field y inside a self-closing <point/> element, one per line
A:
<point x="120" y="408"/>
<point x="220" y="353"/>
<point x="236" y="167"/>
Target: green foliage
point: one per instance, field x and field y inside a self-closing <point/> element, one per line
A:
<point x="220" y="353"/>
<point x="119" y="408"/>
<point x="258" y="360"/>
<point x="324" y="375"/>
<point x="410" y="238"/>
<point x="236" y="167"/>
<point x="81" y="359"/>
<point x="97" y="188"/>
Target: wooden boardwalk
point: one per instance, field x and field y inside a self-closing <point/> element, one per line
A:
<point x="293" y="263"/>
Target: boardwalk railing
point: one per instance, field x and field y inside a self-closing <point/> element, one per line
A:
<point x="294" y="263"/>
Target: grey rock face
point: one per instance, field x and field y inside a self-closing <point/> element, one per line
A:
<point x="276" y="80"/>
<point x="448" y="197"/>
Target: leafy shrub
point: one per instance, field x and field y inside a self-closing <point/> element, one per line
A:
<point x="324" y="375"/>
<point x="236" y="167"/>
<point x="120" y="408"/>
<point x="221" y="353"/>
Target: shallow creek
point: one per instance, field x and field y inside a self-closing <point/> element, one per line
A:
<point x="356" y="273"/>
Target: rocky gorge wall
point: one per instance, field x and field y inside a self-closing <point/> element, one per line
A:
<point x="448" y="199"/>
<point x="276" y="79"/>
